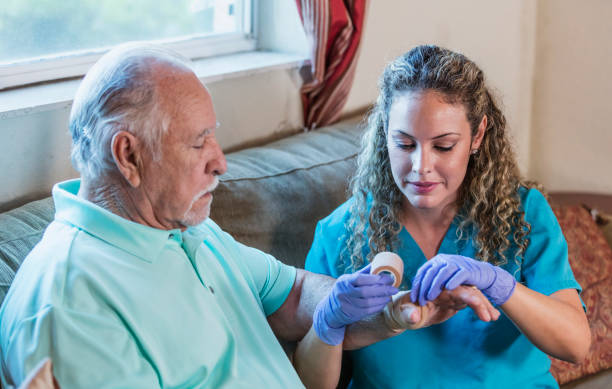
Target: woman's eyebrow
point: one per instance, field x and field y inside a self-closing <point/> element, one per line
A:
<point x="404" y="133"/>
<point x="445" y="134"/>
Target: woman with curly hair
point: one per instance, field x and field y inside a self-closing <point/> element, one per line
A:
<point x="437" y="183"/>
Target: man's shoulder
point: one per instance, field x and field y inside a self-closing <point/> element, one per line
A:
<point x="207" y="226"/>
<point x="49" y="255"/>
<point x="65" y="257"/>
<point x="40" y="280"/>
<point x="210" y="232"/>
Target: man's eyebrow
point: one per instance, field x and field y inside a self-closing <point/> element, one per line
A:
<point x="404" y="133"/>
<point x="207" y="130"/>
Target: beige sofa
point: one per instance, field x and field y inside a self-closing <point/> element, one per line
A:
<point x="271" y="198"/>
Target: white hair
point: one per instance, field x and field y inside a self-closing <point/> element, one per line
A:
<point x="119" y="94"/>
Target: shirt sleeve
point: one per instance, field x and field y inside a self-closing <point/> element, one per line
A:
<point x="87" y="351"/>
<point x="268" y="278"/>
<point x="273" y="279"/>
<point x="546" y="267"/>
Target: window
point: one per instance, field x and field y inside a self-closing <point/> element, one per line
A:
<point x="52" y="39"/>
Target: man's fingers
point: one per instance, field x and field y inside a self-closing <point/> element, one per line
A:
<point x="405" y="313"/>
<point x="478" y="302"/>
<point x="410" y="315"/>
<point x="449" y="303"/>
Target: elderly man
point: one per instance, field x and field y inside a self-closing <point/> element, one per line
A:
<point x="133" y="286"/>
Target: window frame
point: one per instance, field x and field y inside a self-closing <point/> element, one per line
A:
<point x="75" y="64"/>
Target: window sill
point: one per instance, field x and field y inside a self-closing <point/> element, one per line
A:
<point x="57" y="95"/>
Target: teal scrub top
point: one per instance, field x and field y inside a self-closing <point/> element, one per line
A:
<point x="462" y="352"/>
<point x="117" y="304"/>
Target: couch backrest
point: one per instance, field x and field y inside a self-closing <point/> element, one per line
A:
<point x="20" y="230"/>
<point x="271" y="197"/>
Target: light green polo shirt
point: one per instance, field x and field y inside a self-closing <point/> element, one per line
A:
<point x="117" y="304"/>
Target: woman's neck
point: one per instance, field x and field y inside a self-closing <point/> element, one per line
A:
<point x="428" y="218"/>
<point x="427" y="227"/>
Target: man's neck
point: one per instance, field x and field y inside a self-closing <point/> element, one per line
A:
<point x="112" y="195"/>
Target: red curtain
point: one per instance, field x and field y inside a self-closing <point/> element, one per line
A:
<point x="333" y="29"/>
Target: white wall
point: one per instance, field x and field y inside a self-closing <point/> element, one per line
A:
<point x="34" y="154"/>
<point x="499" y="36"/>
<point x="572" y="131"/>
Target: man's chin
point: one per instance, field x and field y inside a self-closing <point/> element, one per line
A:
<point x="195" y="217"/>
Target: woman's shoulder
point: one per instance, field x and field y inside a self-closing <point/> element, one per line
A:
<point x="329" y="241"/>
<point x="532" y="200"/>
<point x="339" y="216"/>
<point x="536" y="207"/>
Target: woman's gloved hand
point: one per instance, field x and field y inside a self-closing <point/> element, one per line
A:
<point x="449" y="271"/>
<point x="353" y="297"/>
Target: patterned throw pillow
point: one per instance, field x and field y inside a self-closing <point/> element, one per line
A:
<point x="606" y="227"/>
<point x="591" y="260"/>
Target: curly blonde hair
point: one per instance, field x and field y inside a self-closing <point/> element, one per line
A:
<point x="488" y="200"/>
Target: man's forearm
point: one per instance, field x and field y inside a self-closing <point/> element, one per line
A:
<point x="317" y="363"/>
<point x="366" y="332"/>
<point x="315" y="287"/>
<point x="294" y="318"/>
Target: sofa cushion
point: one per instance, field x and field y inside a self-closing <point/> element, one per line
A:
<point x="272" y="196"/>
<point x="591" y="260"/>
<point x="22" y="228"/>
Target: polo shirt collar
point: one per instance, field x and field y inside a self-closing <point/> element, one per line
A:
<point x="137" y="239"/>
<point x="193" y="237"/>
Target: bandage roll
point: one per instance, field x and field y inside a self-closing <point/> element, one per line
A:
<point x="389" y="262"/>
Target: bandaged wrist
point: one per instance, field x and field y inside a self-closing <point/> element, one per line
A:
<point x="392" y="324"/>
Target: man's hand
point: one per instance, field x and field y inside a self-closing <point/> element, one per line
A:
<point x="446" y="271"/>
<point x="353" y="297"/>
<point x="402" y="314"/>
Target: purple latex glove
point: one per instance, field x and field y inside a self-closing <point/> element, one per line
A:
<point x="353" y="297"/>
<point x="449" y="271"/>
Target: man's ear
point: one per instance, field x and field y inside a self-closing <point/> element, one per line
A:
<point x="482" y="127"/>
<point x="127" y="155"/>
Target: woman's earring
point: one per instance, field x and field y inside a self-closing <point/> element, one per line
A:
<point x="474" y="151"/>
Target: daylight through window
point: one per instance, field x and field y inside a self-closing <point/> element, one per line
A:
<point x="50" y="36"/>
